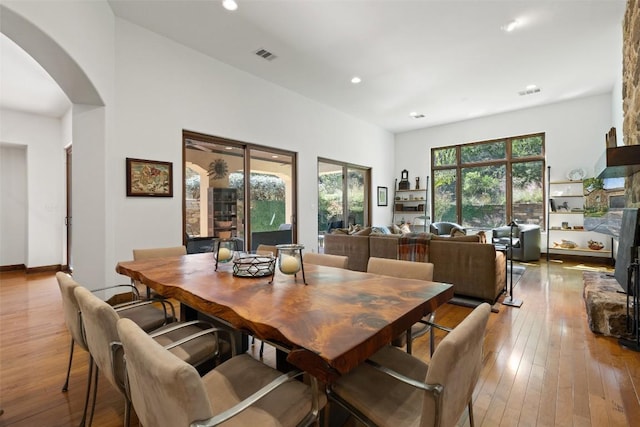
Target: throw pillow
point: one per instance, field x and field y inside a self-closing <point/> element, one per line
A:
<point x="482" y="236"/>
<point x="364" y="232"/>
<point x="404" y="229"/>
<point x="354" y="228"/>
<point x="455" y="231"/>
<point x="396" y="229"/>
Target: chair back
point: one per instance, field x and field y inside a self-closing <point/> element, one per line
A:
<point x="159" y="252"/>
<point x="70" y="307"/>
<point x="445" y="228"/>
<point x="266" y="249"/>
<point x="99" y="321"/>
<point x="401" y="269"/>
<point x="164" y="390"/>
<point x="338" y="261"/>
<point x="456" y="365"/>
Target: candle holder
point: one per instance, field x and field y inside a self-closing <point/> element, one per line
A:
<point x="290" y="261"/>
<point x="223" y="250"/>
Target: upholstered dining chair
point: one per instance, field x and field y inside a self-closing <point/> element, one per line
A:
<point x="99" y="329"/>
<point x="338" y="261"/>
<point x="143" y="313"/>
<point x="139" y="254"/>
<point x="396" y="389"/>
<point x="406" y="270"/>
<point x="242" y="391"/>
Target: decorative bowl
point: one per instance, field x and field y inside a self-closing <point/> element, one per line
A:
<point x="596" y="246"/>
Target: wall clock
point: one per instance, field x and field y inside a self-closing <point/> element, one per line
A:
<point x="218" y="169"/>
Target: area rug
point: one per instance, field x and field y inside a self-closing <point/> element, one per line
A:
<point x="518" y="271"/>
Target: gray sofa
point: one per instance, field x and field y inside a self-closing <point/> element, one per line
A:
<point x="527" y="247"/>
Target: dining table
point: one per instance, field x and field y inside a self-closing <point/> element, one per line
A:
<point x="327" y="326"/>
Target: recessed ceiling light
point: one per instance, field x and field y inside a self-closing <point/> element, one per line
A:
<point x="274" y="156"/>
<point x="416" y="115"/>
<point x="510" y="26"/>
<point x="228" y="148"/>
<point x="229" y="4"/>
<point x="531" y="87"/>
<point x="355" y="80"/>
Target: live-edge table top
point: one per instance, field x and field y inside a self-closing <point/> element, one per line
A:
<point x="330" y="325"/>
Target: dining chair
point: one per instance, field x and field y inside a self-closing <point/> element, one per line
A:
<point x="338" y="261"/>
<point x="143" y="313"/>
<point x="394" y="388"/>
<point x="139" y="254"/>
<point x="406" y="270"/>
<point x="242" y="391"/>
<point x="99" y="330"/>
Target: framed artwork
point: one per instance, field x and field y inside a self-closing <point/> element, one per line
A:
<point x="149" y="178"/>
<point x="382" y="196"/>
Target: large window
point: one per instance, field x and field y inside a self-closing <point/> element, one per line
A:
<point x="487" y="184"/>
<point x="343" y="195"/>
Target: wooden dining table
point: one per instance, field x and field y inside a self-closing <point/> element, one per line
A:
<point x="328" y="326"/>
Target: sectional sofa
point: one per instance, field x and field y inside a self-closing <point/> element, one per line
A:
<point x="475" y="269"/>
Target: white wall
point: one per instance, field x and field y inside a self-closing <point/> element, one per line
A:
<point x="163" y="88"/>
<point x="574" y="135"/>
<point x="13" y="204"/>
<point x="45" y="187"/>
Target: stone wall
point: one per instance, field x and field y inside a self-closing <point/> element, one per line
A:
<point x="631" y="92"/>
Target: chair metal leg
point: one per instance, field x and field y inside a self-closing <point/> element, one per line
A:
<point x="86" y="399"/>
<point x="471" y="414"/>
<point x="127" y="412"/>
<point x="432" y="342"/>
<point x="409" y="341"/>
<point x="261" y="349"/>
<point x="95" y="394"/>
<point x="65" y="387"/>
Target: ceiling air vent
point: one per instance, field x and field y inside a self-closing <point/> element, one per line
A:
<point x="529" y="91"/>
<point x="263" y="53"/>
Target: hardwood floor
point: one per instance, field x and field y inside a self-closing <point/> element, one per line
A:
<point x="543" y="366"/>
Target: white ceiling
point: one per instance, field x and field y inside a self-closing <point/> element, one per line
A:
<point x="448" y="60"/>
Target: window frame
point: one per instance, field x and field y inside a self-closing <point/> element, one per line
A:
<point x="458" y="166"/>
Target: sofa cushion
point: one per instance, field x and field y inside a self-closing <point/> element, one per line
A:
<point x="473" y="238"/>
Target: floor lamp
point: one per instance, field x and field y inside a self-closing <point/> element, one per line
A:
<point x="509" y="300"/>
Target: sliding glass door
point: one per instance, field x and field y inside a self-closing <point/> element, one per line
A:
<point x="343" y="196"/>
<point x="218" y="203"/>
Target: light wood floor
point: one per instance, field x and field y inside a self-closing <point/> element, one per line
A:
<point x="543" y="367"/>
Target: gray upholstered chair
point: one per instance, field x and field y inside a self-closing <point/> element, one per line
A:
<point x="338" y="261"/>
<point x="99" y="330"/>
<point x="166" y="391"/>
<point x="526" y="238"/>
<point x="143" y="313"/>
<point x="445" y="228"/>
<point x="396" y="389"/>
<point x="405" y="270"/>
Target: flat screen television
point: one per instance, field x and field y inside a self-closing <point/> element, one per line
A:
<point x="628" y="241"/>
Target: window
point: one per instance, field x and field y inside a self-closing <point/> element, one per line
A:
<point x="343" y="195"/>
<point x="486" y="184"/>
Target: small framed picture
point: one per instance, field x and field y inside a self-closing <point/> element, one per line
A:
<point x="149" y="178"/>
<point x="382" y="196"/>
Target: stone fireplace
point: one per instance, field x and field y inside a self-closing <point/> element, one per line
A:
<point x="631" y="92"/>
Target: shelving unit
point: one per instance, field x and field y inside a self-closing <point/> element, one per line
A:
<point x="409" y="205"/>
<point x="565" y="221"/>
<point x="222" y="209"/>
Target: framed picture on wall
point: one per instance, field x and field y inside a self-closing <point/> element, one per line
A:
<point x="149" y="178"/>
<point x="382" y="196"/>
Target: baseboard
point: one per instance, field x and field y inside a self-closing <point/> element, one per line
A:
<point x="16" y="267"/>
<point x="44" y="269"/>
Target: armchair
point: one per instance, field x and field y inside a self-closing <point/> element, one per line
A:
<point x="527" y="245"/>
<point x="445" y="228"/>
